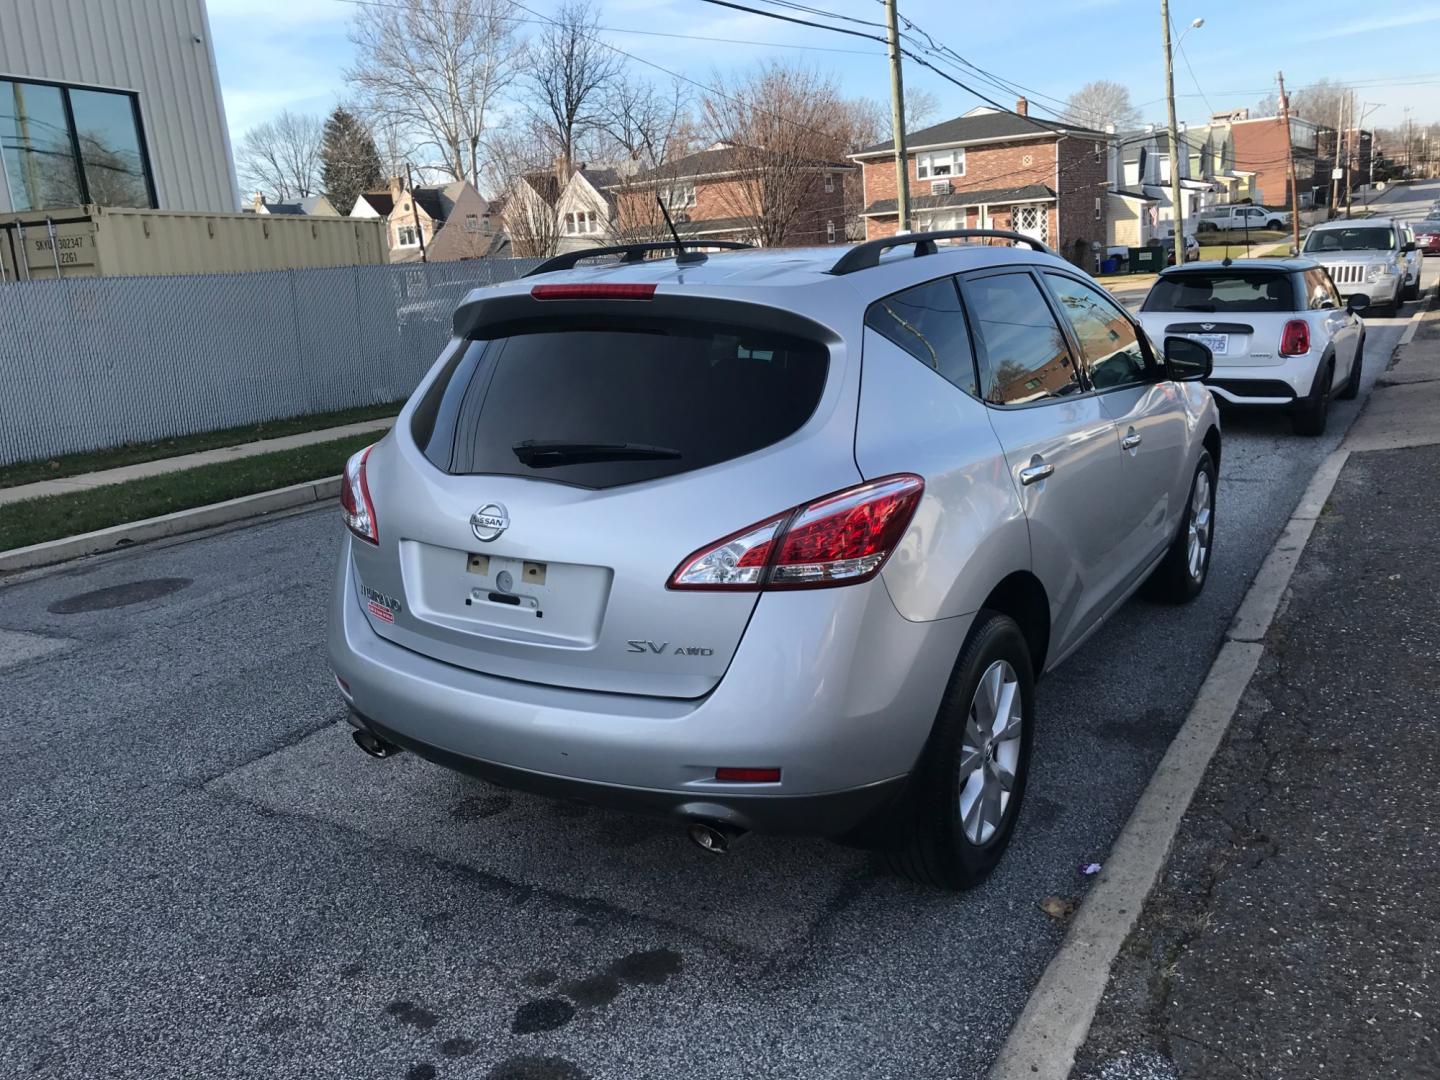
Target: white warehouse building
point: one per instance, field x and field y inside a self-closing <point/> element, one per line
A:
<point x="111" y="102"/>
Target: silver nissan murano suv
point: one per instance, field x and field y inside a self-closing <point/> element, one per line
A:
<point x="770" y="539"/>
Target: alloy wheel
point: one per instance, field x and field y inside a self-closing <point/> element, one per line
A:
<point x="1198" y="547"/>
<point x="990" y="752"/>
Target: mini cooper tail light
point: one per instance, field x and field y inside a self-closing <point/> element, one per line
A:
<point x="356" y="506"/>
<point x="840" y="539"/>
<point x="1295" y="340"/>
<point x="734" y="775"/>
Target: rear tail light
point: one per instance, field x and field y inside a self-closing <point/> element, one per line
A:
<point x="355" y="505"/>
<point x="841" y="539"/>
<point x="729" y="775"/>
<point x="593" y="292"/>
<point x="1295" y="341"/>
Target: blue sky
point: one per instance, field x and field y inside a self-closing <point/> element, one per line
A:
<point x="277" y="54"/>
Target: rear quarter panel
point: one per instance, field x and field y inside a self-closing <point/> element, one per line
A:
<point x="969" y="532"/>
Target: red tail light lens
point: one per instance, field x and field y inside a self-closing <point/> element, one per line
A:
<point x="593" y="292"/>
<point x="355" y="505"/>
<point x="747" y="776"/>
<point x="1295" y="341"/>
<point x="841" y="539"/>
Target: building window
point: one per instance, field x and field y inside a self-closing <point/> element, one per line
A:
<point x="678" y="195"/>
<point x="407" y="236"/>
<point x="939" y="164"/>
<point x="63" y="146"/>
<point x="1099" y="209"/>
<point x="829" y="183"/>
<point x="472" y="223"/>
<point x="581" y="222"/>
<point x="1099" y="149"/>
<point x="829" y="232"/>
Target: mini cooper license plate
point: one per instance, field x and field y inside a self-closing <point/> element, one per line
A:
<point x="1217" y="343"/>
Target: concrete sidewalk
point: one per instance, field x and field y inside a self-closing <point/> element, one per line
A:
<point x="161" y="466"/>
<point x="1294" y="932"/>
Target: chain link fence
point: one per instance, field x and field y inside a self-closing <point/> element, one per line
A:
<point x="88" y="363"/>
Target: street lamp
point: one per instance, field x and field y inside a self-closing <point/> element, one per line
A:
<point x="1179" y="214"/>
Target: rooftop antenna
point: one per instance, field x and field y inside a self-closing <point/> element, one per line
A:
<point x="682" y="257"/>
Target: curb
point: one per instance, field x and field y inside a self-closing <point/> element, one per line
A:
<point x="1056" y="1019"/>
<point x="182" y="521"/>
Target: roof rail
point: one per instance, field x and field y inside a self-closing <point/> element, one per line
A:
<point x="633" y="253"/>
<point x="867" y="255"/>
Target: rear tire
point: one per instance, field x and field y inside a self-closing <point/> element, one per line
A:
<point x="970" y="782"/>
<point x="1182" y="574"/>
<point x="1312" y="414"/>
<point x="1352" y="385"/>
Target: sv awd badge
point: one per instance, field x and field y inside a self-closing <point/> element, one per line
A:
<point x="662" y="648"/>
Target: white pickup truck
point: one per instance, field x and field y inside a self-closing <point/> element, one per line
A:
<point x="1240" y="218"/>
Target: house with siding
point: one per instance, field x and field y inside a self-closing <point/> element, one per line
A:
<point x="585" y="209"/>
<point x="450" y="222"/>
<point x="996" y="170"/>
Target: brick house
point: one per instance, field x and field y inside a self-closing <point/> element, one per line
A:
<point x="454" y="220"/>
<point x="719" y="193"/>
<point x="998" y="170"/>
<point x="1260" y="148"/>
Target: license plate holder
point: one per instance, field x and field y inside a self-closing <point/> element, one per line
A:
<point x="1218" y="344"/>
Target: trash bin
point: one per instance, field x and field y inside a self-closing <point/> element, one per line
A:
<point x="1147" y="260"/>
<point x="1110" y="265"/>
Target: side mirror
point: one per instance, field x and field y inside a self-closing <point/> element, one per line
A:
<point x="1358" y="302"/>
<point x="1188" y="360"/>
<point x="1408" y="247"/>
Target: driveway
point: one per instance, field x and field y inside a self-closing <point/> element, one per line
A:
<point x="204" y="877"/>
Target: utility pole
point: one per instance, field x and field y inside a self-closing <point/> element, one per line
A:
<point x="1290" y="156"/>
<point x="1179" y="214"/>
<point x="1337" y="167"/>
<point x="415" y="211"/>
<point x="897" y="119"/>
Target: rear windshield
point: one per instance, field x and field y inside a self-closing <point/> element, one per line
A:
<point x="1368" y="238"/>
<point x="1233" y="290"/>
<point x="598" y="406"/>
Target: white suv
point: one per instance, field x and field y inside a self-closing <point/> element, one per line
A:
<point x="1368" y="255"/>
<point x="1280" y="333"/>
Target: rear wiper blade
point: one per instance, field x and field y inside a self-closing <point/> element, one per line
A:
<point x="539" y="454"/>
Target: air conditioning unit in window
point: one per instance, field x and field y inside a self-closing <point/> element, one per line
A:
<point x="942" y="187"/>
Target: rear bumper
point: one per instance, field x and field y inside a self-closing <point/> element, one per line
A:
<point x="831" y="813"/>
<point x="832" y="687"/>
<point x="1269" y="385"/>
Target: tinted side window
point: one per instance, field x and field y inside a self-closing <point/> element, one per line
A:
<point x="928" y="323"/>
<point x="1026" y="358"/>
<point x="1317" y="290"/>
<point x="1109" y="346"/>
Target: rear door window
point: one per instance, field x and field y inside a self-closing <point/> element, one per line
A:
<point x="604" y="405"/>
<point x="1109" y="345"/>
<point x="1025" y="357"/>
<point x="1214" y="292"/>
<point x="928" y="323"/>
<point x="1319" y="292"/>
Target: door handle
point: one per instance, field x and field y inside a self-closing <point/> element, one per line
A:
<point x="1035" y="473"/>
<point x="1129" y="442"/>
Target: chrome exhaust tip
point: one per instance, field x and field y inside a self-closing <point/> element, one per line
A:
<point x="714" y="838"/>
<point x="373" y="745"/>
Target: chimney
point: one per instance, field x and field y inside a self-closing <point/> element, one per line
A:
<point x="1022" y="106"/>
<point x="397" y="188"/>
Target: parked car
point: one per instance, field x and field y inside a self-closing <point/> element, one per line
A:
<point x="1427" y="236"/>
<point x="1192" y="249"/>
<point x="645" y="536"/>
<point x="1241" y="218"/>
<point x="1366" y="256"/>
<point x="1279" y="330"/>
<point x="1412" y="258"/>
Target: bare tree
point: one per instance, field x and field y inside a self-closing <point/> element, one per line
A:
<point x="569" y="72"/>
<point x="281" y="157"/>
<point x="783" y="123"/>
<point x="644" y="124"/>
<point x="528" y="189"/>
<point x="1099" y="103"/>
<point x="436" y="71"/>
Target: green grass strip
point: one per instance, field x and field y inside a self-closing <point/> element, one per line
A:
<point x="28" y="472"/>
<point x="36" y="520"/>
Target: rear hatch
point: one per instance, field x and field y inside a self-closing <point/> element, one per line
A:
<point x="565" y="460"/>
<point x="1239" y="312"/>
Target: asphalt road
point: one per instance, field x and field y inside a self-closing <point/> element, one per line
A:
<point x="203" y="877"/>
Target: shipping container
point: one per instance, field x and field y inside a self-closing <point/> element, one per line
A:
<point x="97" y="241"/>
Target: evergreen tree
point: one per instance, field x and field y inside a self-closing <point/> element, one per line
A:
<point x="350" y="164"/>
